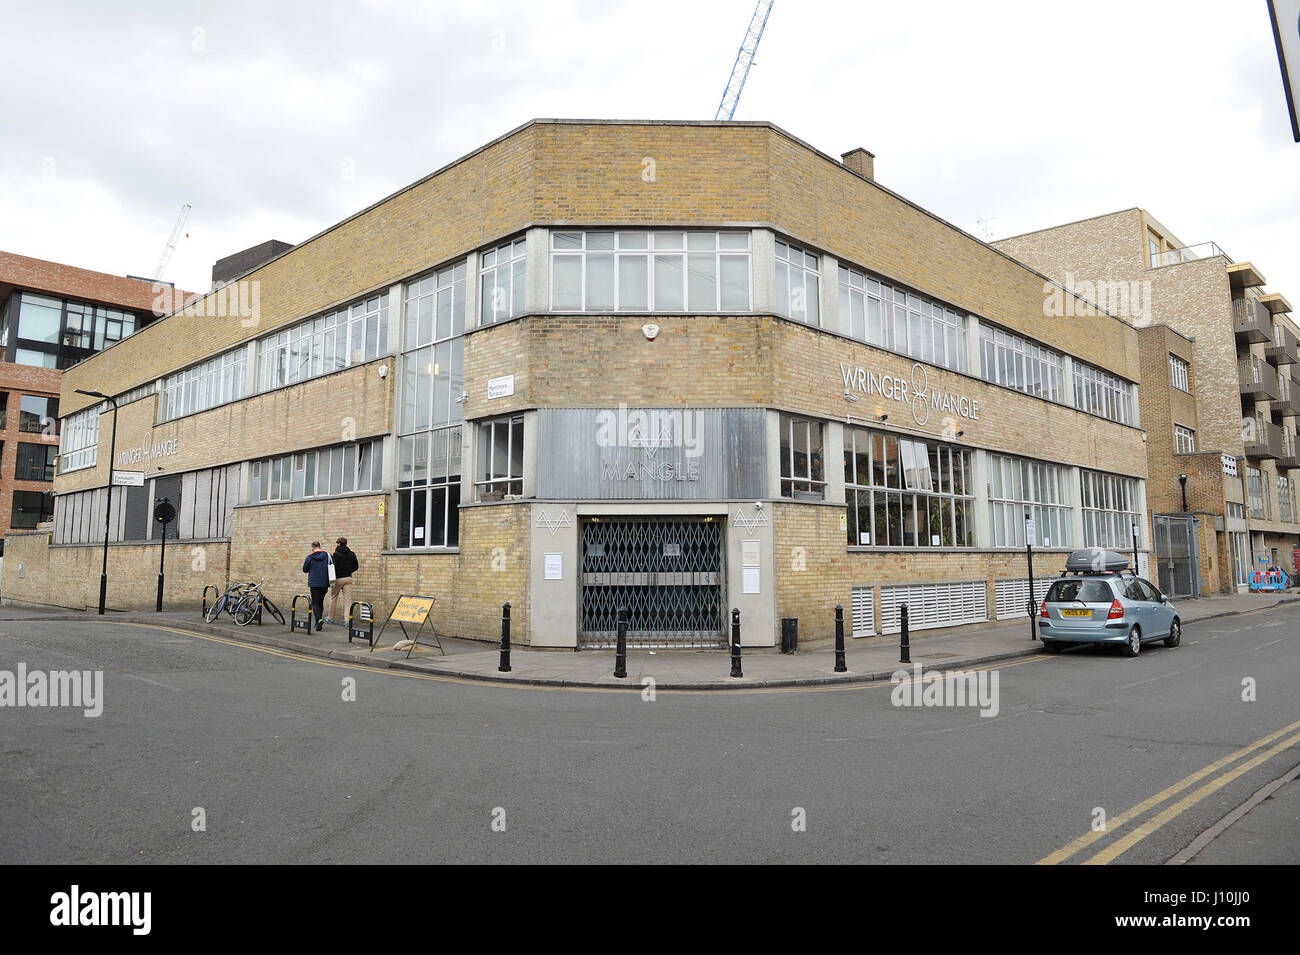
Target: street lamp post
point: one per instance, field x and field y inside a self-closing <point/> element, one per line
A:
<point x="108" y="510"/>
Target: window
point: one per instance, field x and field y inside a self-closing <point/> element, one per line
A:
<point x="1236" y="510"/>
<point x="220" y="379"/>
<point x="343" y="469"/>
<point x="901" y="321"/>
<point x="901" y="492"/>
<point x="500" y="458"/>
<point x="31" y="508"/>
<point x="801" y="457"/>
<point x="429" y="438"/>
<point x="1184" y="440"/>
<point x="1109" y="510"/>
<point x="1015" y="362"/>
<point x="39" y="318"/>
<point x="324" y="344"/>
<point x="80" y="440"/>
<point x="41" y="359"/>
<point x="798" y="284"/>
<point x="501" y="282"/>
<point x="657" y="271"/>
<point x="1101" y="393"/>
<point x="1285" y="500"/>
<point x="1178" y="374"/>
<point x="1257" y="494"/>
<point x="35" y="462"/>
<point x="1018" y="486"/>
<point x="39" y="414"/>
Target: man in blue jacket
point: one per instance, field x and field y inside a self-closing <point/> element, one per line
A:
<point x="317" y="569"/>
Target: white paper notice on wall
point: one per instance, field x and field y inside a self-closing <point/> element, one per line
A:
<point x="502" y="387"/>
<point x="864" y="537"/>
<point x="1047" y="542"/>
<point x="749" y="580"/>
<point x="749" y="554"/>
<point x="418" y="533"/>
<point x="554" y="567"/>
<point x="934" y="540"/>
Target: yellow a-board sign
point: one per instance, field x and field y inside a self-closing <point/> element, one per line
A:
<point x="411" y="609"/>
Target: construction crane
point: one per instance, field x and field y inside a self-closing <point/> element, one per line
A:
<point x="744" y="60"/>
<point x="170" y="247"/>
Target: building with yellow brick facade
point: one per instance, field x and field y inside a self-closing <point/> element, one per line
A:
<point x="677" y="367"/>
<point x="1219" y="404"/>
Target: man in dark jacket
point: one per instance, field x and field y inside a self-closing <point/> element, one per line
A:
<point x="317" y="569"/>
<point x="345" y="565"/>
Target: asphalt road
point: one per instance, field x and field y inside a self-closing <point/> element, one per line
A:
<point x="417" y="769"/>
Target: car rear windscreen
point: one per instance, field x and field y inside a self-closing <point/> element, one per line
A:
<point x="1089" y="591"/>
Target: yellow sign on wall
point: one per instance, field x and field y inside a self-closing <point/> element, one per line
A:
<point x="412" y="609"/>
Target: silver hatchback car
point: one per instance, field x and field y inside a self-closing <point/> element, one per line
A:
<point x="1101" y="602"/>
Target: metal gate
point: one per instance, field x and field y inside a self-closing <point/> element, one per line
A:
<point x="1177" y="555"/>
<point x="667" y="572"/>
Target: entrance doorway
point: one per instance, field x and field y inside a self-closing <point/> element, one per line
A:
<point x="667" y="571"/>
<point x="1177" y="555"/>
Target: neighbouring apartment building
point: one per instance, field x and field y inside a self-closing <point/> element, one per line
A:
<point x="51" y="316"/>
<point x="677" y="367"/>
<point x="1220" y="403"/>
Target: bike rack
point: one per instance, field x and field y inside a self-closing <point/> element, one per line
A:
<point x="294" y="622"/>
<point x="367" y="616"/>
<point x="213" y="588"/>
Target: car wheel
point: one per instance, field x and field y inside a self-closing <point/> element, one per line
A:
<point x="1134" y="645"/>
<point x="1175" y="634"/>
<point x="1052" y="646"/>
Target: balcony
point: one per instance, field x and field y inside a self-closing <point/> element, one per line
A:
<point x="1258" y="379"/>
<point x="1284" y="350"/>
<point x="1251" y="321"/>
<point x="1288" y="402"/>
<point x="1205" y="250"/>
<point x="1244" y="275"/>
<point x="1287" y="459"/>
<point x="1263" y="439"/>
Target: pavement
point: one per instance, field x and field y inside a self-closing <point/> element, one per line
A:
<point x="868" y="659"/>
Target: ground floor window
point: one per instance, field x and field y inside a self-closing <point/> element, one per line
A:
<point x="500" y="458"/>
<point x="802" y="471"/>
<point x="428" y="489"/>
<point x="903" y="492"/>
<point x="1018" y="486"/>
<point x="1109" y="510"/>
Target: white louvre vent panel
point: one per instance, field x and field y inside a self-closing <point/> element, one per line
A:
<point x="934" y="605"/>
<point x="864" y="611"/>
<point x="1013" y="594"/>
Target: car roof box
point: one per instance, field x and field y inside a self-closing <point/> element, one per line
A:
<point x="1095" y="561"/>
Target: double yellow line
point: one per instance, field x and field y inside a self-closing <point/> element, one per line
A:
<point x="1136" y="835"/>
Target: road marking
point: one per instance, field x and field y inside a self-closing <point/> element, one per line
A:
<point x="631" y="688"/>
<point x="1088" y="838"/>
<point x="1193" y="849"/>
<point x="142" y="679"/>
<point x="1121" y="846"/>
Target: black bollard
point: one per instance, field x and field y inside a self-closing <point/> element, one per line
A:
<point x="904" y="647"/>
<point x="505" y="639"/>
<point x="840" y="665"/>
<point x="735" y="643"/>
<point x="620" y="649"/>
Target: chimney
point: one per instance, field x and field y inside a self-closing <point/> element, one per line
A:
<point x="860" y="161"/>
<point x="233" y="266"/>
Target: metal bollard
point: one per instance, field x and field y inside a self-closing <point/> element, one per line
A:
<point x="840" y="665"/>
<point x="904" y="647"/>
<point x="620" y="648"/>
<point x="735" y="643"/>
<point x="504" y="666"/>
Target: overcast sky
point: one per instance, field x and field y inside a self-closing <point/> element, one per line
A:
<point x="277" y="119"/>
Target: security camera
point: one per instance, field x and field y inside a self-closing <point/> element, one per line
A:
<point x="383" y="371"/>
<point x="758" y="505"/>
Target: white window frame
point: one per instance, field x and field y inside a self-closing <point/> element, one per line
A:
<point x="1184" y="440"/>
<point x="1179" y="374"/>
<point x="797" y="268"/>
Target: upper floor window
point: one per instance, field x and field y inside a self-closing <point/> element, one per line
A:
<point x="501" y="282"/>
<point x="659" y="271"/>
<point x="38" y="414"/>
<point x="1101" y="393"/>
<point x="1015" y="362"/>
<point x="1285" y="500"/>
<point x="344" y="469"/>
<point x="798" y="284"/>
<point x="35" y="462"/>
<point x="1178" y="374"/>
<point x="1184" y="439"/>
<point x="80" y="440"/>
<point x="326" y="343"/>
<point x="901" y="321"/>
<point x="500" y="458"/>
<point x="220" y="379"/>
<point x="802" y="471"/>
<point x="1257" y="494"/>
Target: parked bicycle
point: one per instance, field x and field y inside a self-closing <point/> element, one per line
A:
<point x="250" y="602"/>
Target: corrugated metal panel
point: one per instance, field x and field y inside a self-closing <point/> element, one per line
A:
<point x="933" y="605"/>
<point x="864" y="611"/>
<point x="1012" y="595"/>
<point x="681" y="454"/>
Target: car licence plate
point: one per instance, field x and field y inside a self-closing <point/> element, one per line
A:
<point x="1076" y="613"/>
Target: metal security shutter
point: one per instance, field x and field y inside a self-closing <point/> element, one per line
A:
<point x="934" y="605"/>
<point x="137" y="514"/>
<point x="231" y="499"/>
<point x="1012" y="594"/>
<point x="864" y="612"/>
<point x="166" y="487"/>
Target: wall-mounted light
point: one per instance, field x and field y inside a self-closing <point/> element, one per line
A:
<point x="849" y="396"/>
<point x="884" y="417"/>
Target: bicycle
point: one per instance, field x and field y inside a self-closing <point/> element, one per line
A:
<point x="249" y="602"/>
<point x="227" y="601"/>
